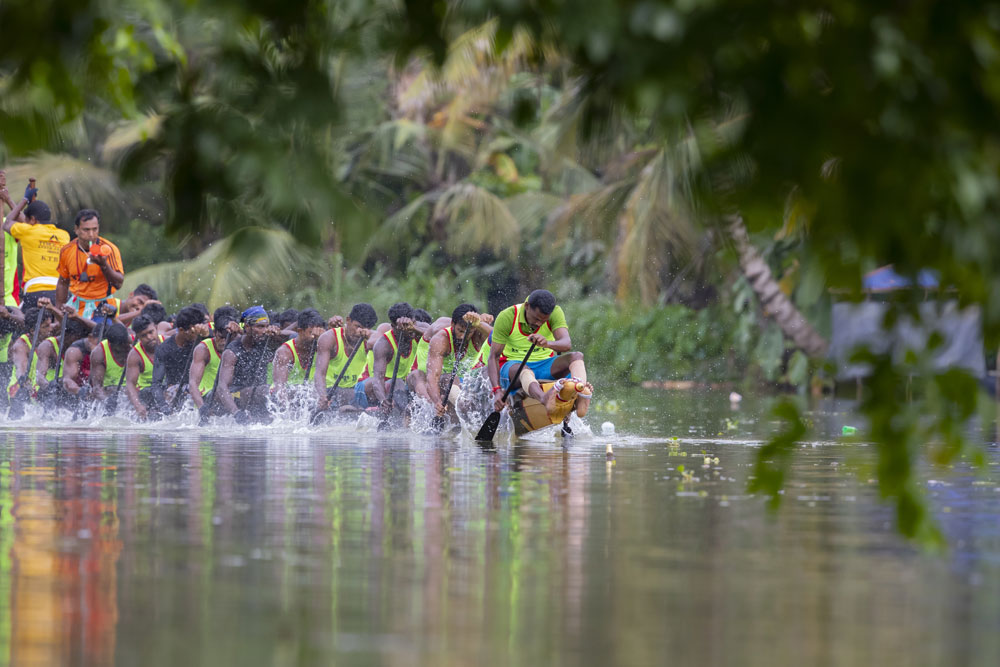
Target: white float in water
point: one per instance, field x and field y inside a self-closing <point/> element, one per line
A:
<point x="607" y="428"/>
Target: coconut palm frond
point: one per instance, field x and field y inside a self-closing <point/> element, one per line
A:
<point x="241" y="268"/>
<point x="477" y="220"/>
<point x="128" y="135"/>
<point x="68" y="184"/>
<point x="593" y="212"/>
<point x="532" y="209"/>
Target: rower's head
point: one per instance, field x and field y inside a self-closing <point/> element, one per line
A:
<point x="87" y="226"/>
<point x="189" y="320"/>
<point x="458" y="323"/>
<point x="287" y="318"/>
<point x="75" y="330"/>
<point x="37" y="212"/>
<point x="221" y="318"/>
<point x="421" y="315"/>
<point x="145" y="332"/>
<point x="98" y="333"/>
<point x="47" y="326"/>
<point x="539" y="307"/>
<point x="203" y="309"/>
<point x="255" y="322"/>
<point x="399" y="311"/>
<point x="118" y="337"/>
<point x="362" y="316"/>
<point x="154" y="311"/>
<point x="309" y="326"/>
<point x="140" y="296"/>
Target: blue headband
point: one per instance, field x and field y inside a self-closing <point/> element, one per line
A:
<point x="254" y="315"/>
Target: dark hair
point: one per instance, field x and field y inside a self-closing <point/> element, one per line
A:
<point x="86" y="214"/>
<point x="310" y="317"/>
<point x="31" y="316"/>
<point x="201" y="308"/>
<point x="364" y="314"/>
<point x="117" y="335"/>
<point x="188" y="317"/>
<point x="224" y="315"/>
<point x="461" y="310"/>
<point x="38" y="210"/>
<point x="421" y="315"/>
<point x="542" y="300"/>
<point x="142" y="323"/>
<point x="287" y="316"/>
<point x="155" y="312"/>
<point x="146" y="291"/>
<point x="8" y="325"/>
<point x="399" y="310"/>
<point x="77" y="329"/>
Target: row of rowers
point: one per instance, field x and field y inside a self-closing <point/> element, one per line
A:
<point x="247" y="363"/>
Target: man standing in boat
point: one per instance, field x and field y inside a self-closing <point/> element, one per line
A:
<point x="540" y="321"/>
<point x="30" y="223"/>
<point x="90" y="268"/>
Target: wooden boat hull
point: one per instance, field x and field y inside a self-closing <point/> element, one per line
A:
<point x="529" y="415"/>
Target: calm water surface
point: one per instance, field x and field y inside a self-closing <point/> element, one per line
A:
<point x="170" y="545"/>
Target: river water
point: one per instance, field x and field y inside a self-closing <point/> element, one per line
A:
<point x="171" y="545"/>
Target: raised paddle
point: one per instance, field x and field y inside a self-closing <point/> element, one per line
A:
<point x="438" y="422"/>
<point x="383" y="422"/>
<point x="316" y="413"/>
<point x="489" y="427"/>
<point x="206" y="408"/>
<point x="16" y="410"/>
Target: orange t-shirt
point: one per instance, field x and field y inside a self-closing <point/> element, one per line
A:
<point x="73" y="265"/>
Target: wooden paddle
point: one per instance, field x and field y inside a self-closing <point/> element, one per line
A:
<point x="438" y="422"/>
<point x="489" y="427"/>
<point x="316" y="413"/>
<point x="384" y="418"/>
<point x="16" y="410"/>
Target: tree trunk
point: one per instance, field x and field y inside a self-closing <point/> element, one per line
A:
<point x="774" y="301"/>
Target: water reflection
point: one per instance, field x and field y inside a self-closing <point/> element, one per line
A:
<point x="313" y="549"/>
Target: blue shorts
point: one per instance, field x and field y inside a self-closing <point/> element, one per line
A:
<point x="542" y="370"/>
<point x="360" y="397"/>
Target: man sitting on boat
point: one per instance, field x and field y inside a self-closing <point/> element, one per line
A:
<point x="540" y="321"/>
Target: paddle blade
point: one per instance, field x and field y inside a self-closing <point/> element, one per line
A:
<point x="437" y="424"/>
<point x="489" y="427"/>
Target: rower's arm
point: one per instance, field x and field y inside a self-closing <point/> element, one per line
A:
<point x="62" y="291"/>
<point x="132" y="371"/>
<point x="15" y="215"/>
<point x="282" y="365"/>
<point x="19" y="353"/>
<point x="44" y="353"/>
<point x="199" y="361"/>
<point x="324" y="350"/>
<point x="435" y="364"/>
<point x="71" y="366"/>
<point x="383" y="353"/>
<point x="376" y="336"/>
<point x="227" y="366"/>
<point x="492" y="366"/>
<point x="562" y="343"/>
<point x="15" y="314"/>
<point x="98" y="369"/>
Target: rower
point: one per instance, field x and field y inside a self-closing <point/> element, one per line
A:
<point x="400" y="340"/>
<point x="108" y="360"/>
<point x="205" y="362"/>
<point x="444" y="347"/>
<point x="295" y="356"/>
<point x="416" y="379"/>
<point x="243" y="368"/>
<point x="76" y="363"/>
<point x="155" y="311"/>
<point x="49" y="350"/>
<point x="21" y="348"/>
<point x="174" y="356"/>
<point x="332" y="352"/>
<point x="132" y="305"/>
<point x="540" y="321"/>
<point x="139" y="366"/>
<point x="11" y="325"/>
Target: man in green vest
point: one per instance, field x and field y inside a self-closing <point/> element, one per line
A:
<point x="107" y="361"/>
<point x="541" y="322"/>
<point x="332" y="353"/>
<point x="401" y="339"/>
<point x="205" y="362"/>
<point x="296" y="356"/>
<point x="139" y="366"/>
